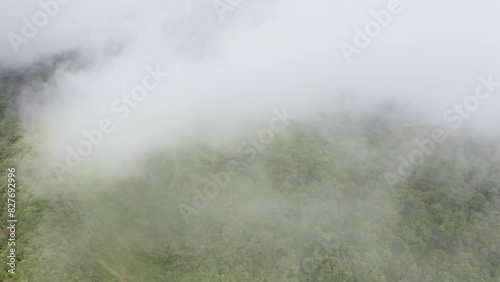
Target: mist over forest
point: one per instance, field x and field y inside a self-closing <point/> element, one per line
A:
<point x="250" y="140"/>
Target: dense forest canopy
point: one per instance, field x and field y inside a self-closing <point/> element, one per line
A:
<point x="312" y="205"/>
<point x="263" y="140"/>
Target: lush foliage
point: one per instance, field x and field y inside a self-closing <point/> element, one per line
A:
<point x="311" y="206"/>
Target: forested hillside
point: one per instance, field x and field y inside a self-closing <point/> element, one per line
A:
<point x="312" y="205"/>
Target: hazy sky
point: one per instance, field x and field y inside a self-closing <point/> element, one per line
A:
<point x="228" y="71"/>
